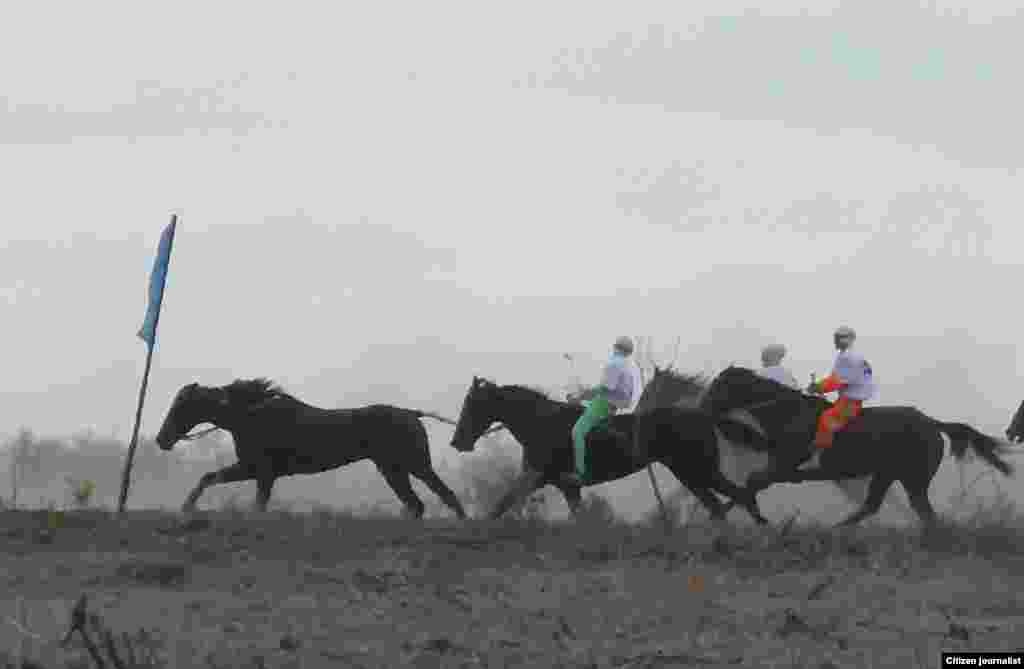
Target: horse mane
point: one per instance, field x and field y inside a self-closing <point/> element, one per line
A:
<point x="538" y="393"/>
<point x="794" y="393"/>
<point x="696" y="381"/>
<point x="668" y="385"/>
<point x="258" y="390"/>
<point x="765" y="381"/>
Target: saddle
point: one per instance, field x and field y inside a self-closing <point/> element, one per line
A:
<point x="606" y="430"/>
<point x="848" y="424"/>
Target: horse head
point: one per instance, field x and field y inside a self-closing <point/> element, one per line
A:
<point x="476" y="416"/>
<point x="192" y="405"/>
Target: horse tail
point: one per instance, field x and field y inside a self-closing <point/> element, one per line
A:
<point x="741" y="432"/>
<point x="988" y="448"/>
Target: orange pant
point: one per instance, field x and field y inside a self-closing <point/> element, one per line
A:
<point x="834" y="419"/>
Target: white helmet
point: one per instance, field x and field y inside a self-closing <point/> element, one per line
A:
<point x="772" y="354"/>
<point x="624" y="344"/>
<point x="846" y="332"/>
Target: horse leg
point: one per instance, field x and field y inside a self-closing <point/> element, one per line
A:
<point x="572" y="497"/>
<point x="230" y="474"/>
<point x="743" y="496"/>
<point x="876" y="493"/>
<point x="917" y="495"/>
<point x="763" y="479"/>
<point x="264" y="486"/>
<point x="710" y="501"/>
<point x="700" y="489"/>
<point x="398" y="479"/>
<point x="439" y="488"/>
<point x="527" y="482"/>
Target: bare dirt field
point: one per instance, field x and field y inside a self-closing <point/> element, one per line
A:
<point x="280" y="589"/>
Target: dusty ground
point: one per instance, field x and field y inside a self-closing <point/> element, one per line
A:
<point x="326" y="590"/>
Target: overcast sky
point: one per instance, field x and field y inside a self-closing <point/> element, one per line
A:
<point x="379" y="203"/>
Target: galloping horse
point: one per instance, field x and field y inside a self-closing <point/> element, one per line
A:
<point x="893" y="443"/>
<point x="683" y="440"/>
<point x="277" y="435"/>
<point x="738" y="460"/>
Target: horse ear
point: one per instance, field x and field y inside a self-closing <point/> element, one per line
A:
<point x="223" y="397"/>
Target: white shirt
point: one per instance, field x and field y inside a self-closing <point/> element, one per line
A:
<point x="622" y="379"/>
<point x="779" y="374"/>
<point x="856" y="372"/>
<point x="638" y="385"/>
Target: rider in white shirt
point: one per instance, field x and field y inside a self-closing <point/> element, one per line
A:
<point x="619" y="390"/>
<point x="853" y="378"/>
<point x="771" y="361"/>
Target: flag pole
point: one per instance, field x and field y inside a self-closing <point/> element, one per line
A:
<point x="126" y="473"/>
<point x="148" y="333"/>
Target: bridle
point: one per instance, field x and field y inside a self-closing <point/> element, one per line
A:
<point x="209" y="430"/>
<point x="200" y="434"/>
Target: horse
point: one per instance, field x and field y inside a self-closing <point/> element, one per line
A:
<point x="277" y="435"/>
<point x="681" y="439"/>
<point x="670" y="387"/>
<point x="1015" y="433"/>
<point x="889" y="443"/>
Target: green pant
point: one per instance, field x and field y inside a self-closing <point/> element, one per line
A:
<point x="598" y="411"/>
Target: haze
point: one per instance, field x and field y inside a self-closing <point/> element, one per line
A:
<point x="379" y="203"/>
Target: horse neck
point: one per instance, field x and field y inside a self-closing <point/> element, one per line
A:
<point x="788" y="407"/>
<point x="518" y="408"/>
<point x="667" y="394"/>
<point x="245" y="414"/>
<point x="225" y="420"/>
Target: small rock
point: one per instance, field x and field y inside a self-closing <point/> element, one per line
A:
<point x="289" y="643"/>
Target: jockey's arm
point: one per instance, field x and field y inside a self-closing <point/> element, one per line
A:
<point x="591" y="393"/>
<point x="831" y="383"/>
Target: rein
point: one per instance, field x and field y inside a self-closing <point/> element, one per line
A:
<point x="197" y="435"/>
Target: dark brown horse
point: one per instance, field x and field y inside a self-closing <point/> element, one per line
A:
<point x="889" y="444"/>
<point x="683" y="440"/>
<point x="277" y="435"/>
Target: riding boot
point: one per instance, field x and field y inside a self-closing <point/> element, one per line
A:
<point x="571" y="479"/>
<point x="821" y="442"/>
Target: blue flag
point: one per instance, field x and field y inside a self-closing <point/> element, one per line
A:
<point x="156" y="284"/>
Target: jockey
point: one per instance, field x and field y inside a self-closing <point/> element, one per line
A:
<point x="771" y="361"/>
<point x="617" y="391"/>
<point x="852" y="377"/>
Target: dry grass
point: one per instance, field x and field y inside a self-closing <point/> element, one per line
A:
<point x="234" y="588"/>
